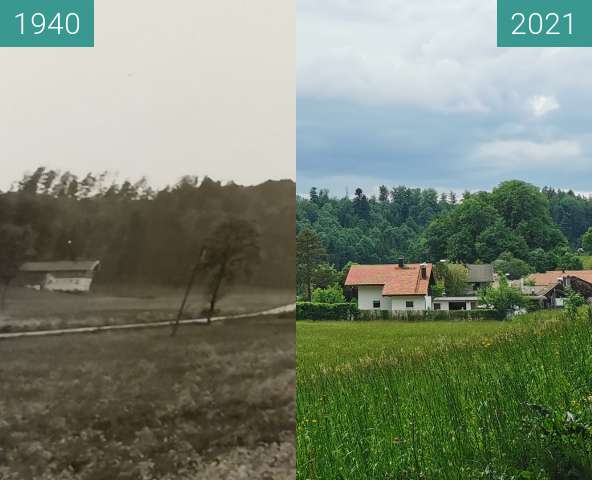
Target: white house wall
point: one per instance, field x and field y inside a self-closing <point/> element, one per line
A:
<point x="445" y="304"/>
<point x="75" y="284"/>
<point x="399" y="302"/>
<point x="367" y="295"/>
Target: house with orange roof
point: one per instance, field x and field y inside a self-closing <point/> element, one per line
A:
<point x="392" y="287"/>
<point x="550" y="287"/>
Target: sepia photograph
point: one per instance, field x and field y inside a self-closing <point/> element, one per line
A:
<point x="147" y="248"/>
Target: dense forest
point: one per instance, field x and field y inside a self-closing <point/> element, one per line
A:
<point x="517" y="226"/>
<point x="143" y="235"/>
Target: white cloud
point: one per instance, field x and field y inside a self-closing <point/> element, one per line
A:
<point x="431" y="54"/>
<point x="540" y="105"/>
<point x="527" y="154"/>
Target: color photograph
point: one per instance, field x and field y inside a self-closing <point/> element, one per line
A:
<point x="444" y="247"/>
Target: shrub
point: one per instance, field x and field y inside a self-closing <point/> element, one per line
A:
<point x="326" y="311"/>
<point x="332" y="294"/>
<point x="438" y="289"/>
<point x="428" y="315"/>
<point x="503" y="298"/>
<point x="573" y="302"/>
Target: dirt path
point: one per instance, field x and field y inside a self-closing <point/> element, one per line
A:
<point x="136" y="326"/>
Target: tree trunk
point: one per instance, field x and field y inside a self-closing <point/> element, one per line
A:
<point x="188" y="291"/>
<point x="185" y="297"/>
<point x="215" y="291"/>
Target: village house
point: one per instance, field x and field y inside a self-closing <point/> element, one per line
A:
<point x="549" y="288"/>
<point x="392" y="287"/>
<point x="61" y="276"/>
<point x="403" y="287"/>
<point x="479" y="276"/>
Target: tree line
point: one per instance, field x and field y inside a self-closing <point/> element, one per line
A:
<point x="141" y="234"/>
<point x="517" y="226"/>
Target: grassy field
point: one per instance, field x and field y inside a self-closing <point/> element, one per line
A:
<point x="587" y="261"/>
<point x="340" y="344"/>
<point x="215" y="402"/>
<point x="390" y="400"/>
<point x="30" y="309"/>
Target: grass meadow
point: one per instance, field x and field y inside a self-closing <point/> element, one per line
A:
<point x="445" y="400"/>
<point x="587" y="261"/>
<point x="215" y="402"/>
<point x="29" y="309"/>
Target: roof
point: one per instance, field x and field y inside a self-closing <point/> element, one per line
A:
<point x="480" y="273"/>
<point x="61" y="266"/>
<point x="394" y="279"/>
<point x="552" y="277"/>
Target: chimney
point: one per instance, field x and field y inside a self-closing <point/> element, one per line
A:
<point x="401" y="262"/>
<point x="423" y="268"/>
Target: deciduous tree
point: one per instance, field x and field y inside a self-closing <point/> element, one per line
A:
<point x="231" y="252"/>
<point x="514" y="268"/>
<point x="333" y="294"/>
<point x="15" y="246"/>
<point x="587" y="241"/>
<point x="502" y="298"/>
<point x="455" y="279"/>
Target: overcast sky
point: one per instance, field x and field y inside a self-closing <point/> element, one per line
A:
<point x="397" y="92"/>
<point x="170" y="89"/>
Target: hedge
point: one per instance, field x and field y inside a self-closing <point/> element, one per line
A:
<point x="427" y="315"/>
<point x="349" y="311"/>
<point x="326" y="311"/>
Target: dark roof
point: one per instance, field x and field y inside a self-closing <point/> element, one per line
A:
<point x="394" y="279"/>
<point x="480" y="273"/>
<point x="61" y="266"/>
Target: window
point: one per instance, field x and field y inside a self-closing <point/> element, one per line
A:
<point x="409" y="304"/>
<point x="437" y="306"/>
<point x="376" y="304"/>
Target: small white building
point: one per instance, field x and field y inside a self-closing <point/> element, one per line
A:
<point x="62" y="276"/>
<point x="399" y="287"/>
<point x="455" y="303"/>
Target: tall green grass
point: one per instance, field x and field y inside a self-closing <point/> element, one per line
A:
<point x="496" y="407"/>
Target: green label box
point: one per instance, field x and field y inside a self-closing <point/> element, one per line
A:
<point x="544" y="23"/>
<point x="47" y="23"/>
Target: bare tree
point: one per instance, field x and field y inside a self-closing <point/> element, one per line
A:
<point x="188" y="291"/>
<point x="228" y="255"/>
<point x="15" y="246"/>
